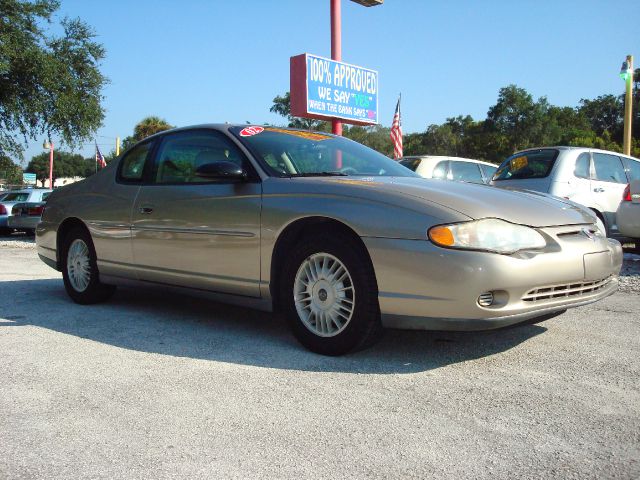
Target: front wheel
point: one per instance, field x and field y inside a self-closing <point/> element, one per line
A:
<point x="80" y="269"/>
<point x="330" y="296"/>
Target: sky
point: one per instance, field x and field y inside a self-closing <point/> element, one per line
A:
<point x="213" y="61"/>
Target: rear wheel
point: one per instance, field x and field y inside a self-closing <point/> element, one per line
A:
<point x="5" y="231"/>
<point x="330" y="295"/>
<point x="80" y="270"/>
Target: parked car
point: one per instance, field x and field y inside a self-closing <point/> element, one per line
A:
<point x="18" y="196"/>
<point x="450" y="168"/>
<point x="628" y="214"/>
<point x="25" y="216"/>
<point x="340" y="238"/>
<point x="590" y="177"/>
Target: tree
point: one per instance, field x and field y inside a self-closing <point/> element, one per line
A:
<point x="517" y="118"/>
<point x="605" y="114"/>
<point x="48" y="84"/>
<point x="65" y="164"/>
<point x="10" y="173"/>
<point x="144" y="128"/>
<point x="374" y="136"/>
<point x="282" y="106"/>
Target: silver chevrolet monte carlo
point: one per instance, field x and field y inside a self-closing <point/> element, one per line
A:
<point x="340" y="238"/>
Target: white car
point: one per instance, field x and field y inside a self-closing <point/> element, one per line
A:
<point x="450" y="168"/>
<point x="628" y="214"/>
<point x="593" y="178"/>
<point x="13" y="197"/>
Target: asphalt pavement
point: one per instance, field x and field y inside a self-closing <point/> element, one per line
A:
<point x="152" y="385"/>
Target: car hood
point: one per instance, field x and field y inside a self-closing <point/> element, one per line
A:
<point x="478" y="201"/>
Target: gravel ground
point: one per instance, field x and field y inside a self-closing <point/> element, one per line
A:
<point x="156" y="386"/>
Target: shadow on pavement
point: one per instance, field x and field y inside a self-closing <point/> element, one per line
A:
<point x="154" y="321"/>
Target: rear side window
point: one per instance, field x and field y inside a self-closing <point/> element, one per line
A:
<point x="531" y="164"/>
<point x="608" y="168"/>
<point x="440" y="170"/>
<point x="16" y="197"/>
<point x="132" y="164"/>
<point x="410" y="163"/>
<point x="583" y="166"/>
<point x="488" y="170"/>
<point x="633" y="168"/>
<point x="466" y="172"/>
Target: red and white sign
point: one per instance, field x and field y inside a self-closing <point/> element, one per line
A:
<point x="250" y="131"/>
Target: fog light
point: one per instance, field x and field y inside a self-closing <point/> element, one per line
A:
<point x="486" y="299"/>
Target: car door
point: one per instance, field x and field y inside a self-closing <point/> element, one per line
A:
<point x="578" y="188"/>
<point x="607" y="185"/>
<point x="194" y="232"/>
<point x="107" y="212"/>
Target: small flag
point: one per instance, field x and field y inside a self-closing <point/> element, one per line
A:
<point x="396" y="132"/>
<point x="100" y="162"/>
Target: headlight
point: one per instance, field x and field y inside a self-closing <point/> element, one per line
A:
<point x="490" y="234"/>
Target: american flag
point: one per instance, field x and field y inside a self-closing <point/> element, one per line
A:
<point x="396" y="132"/>
<point x="100" y="162"/>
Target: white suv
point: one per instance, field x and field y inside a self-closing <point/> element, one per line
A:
<point x="593" y="178"/>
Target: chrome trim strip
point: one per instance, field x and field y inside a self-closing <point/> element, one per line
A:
<point x="197" y="231"/>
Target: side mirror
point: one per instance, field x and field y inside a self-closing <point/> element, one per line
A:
<point x="221" y="171"/>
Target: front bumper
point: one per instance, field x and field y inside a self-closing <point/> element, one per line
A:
<point x="425" y="287"/>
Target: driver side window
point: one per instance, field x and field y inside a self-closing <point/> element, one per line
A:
<point x="182" y="153"/>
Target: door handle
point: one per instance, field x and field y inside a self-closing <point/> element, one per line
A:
<point x="146" y="210"/>
<point x="598" y="190"/>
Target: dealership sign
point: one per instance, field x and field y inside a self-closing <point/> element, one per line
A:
<point x="325" y="89"/>
<point x="29" y="178"/>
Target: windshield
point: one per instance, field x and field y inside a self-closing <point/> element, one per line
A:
<point x="531" y="164"/>
<point x="290" y="153"/>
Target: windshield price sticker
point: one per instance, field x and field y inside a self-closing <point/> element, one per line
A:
<point x="250" y="131"/>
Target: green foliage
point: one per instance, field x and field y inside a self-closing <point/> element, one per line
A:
<point x="517" y="121"/>
<point x="375" y="136"/>
<point x="282" y="106"/>
<point x="10" y="173"/>
<point x="144" y="128"/>
<point x="49" y="84"/>
<point x="65" y="164"/>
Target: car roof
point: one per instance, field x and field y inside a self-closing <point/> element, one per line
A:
<point x="447" y="157"/>
<point x="567" y="147"/>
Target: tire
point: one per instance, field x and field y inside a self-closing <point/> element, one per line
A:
<point x="86" y="289"/>
<point x="5" y="232"/>
<point x="602" y="226"/>
<point x="30" y="232"/>
<point x="331" y="314"/>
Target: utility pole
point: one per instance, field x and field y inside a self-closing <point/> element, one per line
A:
<point x="336" y="50"/>
<point x="49" y="145"/>
<point x="626" y="73"/>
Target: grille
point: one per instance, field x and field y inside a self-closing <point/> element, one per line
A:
<point x="566" y="290"/>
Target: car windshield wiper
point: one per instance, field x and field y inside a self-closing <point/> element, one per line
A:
<point x="319" y="174"/>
